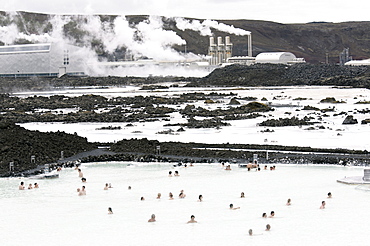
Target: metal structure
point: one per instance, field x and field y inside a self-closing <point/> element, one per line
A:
<point x="221" y="52"/>
<point x="344" y="56"/>
<point x="47" y="59"/>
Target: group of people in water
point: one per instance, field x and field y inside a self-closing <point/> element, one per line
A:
<point x="82" y="191"/>
<point x="30" y="186"/>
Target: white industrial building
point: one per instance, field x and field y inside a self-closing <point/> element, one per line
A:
<point x="278" y="58"/>
<point x="221" y="52"/>
<point x="47" y="59"/>
<point x="358" y="63"/>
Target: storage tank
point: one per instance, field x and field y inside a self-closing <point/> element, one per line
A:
<point x="275" y="57"/>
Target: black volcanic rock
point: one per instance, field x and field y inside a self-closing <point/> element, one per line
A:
<point x="349" y="120"/>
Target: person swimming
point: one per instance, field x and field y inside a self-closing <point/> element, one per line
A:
<point x="171" y="196"/>
<point x="329" y="195"/>
<point x="106" y="186"/>
<point x="200" y="198"/>
<point x="182" y="194"/>
<point x="152" y="218"/>
<point x="232" y="207"/>
<point x="288" y="203"/>
<point x="272" y="214"/>
<point x="30" y="187"/>
<point x="177" y="173"/>
<point x="159" y="196"/>
<point x="250" y="232"/>
<point x="268" y="227"/>
<point x="264" y="215"/>
<point x="36" y="185"/>
<point x="170" y="174"/>
<point x="192" y="219"/>
<point x="242" y="195"/>
<point x="323" y="203"/>
<point x="110" y="211"/>
<point x="142" y="198"/>
<point x="228" y="168"/>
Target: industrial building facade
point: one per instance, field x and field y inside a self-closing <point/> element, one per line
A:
<point x="48" y="59"/>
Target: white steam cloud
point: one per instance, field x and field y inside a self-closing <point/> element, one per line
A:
<point x="204" y="28"/>
<point x="147" y="38"/>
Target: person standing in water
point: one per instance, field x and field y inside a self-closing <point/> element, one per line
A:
<point x="21" y="186"/>
<point x="152" y="218"/>
<point x="80" y="174"/>
<point x="200" y="198"/>
<point x="323" y="203"/>
<point x="110" y="211"/>
<point x="192" y="219"/>
<point x="288" y="202"/>
<point x="272" y="214"/>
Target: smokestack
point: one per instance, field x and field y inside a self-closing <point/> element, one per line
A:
<point x="211" y="41"/>
<point x="227" y="40"/>
<point x="250" y="45"/>
<point x="219" y="41"/>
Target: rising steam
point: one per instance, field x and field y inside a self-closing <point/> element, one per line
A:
<point x="147" y="38"/>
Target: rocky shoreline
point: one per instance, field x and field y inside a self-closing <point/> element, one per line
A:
<point x="29" y="149"/>
<point x="144" y="150"/>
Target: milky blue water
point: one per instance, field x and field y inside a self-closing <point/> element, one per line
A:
<point x="54" y="214"/>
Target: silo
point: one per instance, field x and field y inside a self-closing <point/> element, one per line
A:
<point x="228" y="47"/>
<point x="366" y="174"/>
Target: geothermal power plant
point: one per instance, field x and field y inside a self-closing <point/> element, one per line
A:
<point x="55" y="60"/>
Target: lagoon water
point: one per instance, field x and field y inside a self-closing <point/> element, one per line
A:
<point x="55" y="215"/>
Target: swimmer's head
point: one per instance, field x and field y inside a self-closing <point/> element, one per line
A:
<point x="231" y="205"/>
<point x="250" y="232"/>
<point x="192" y="217"/>
<point x="153" y="216"/>
<point x="268" y="227"/>
<point x="264" y="215"/>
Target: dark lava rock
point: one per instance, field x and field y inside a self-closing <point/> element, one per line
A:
<point x="233" y="101"/>
<point x="294" y="121"/>
<point x="349" y="120"/>
<point x="365" y="121"/>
